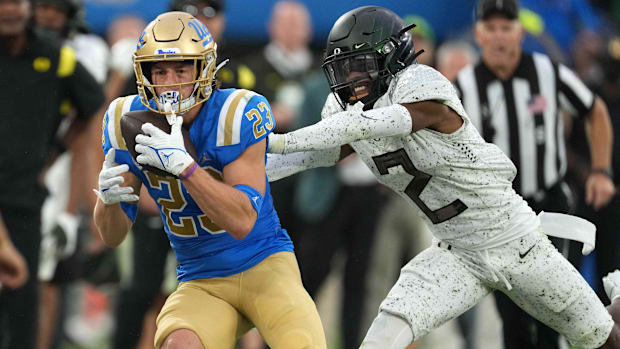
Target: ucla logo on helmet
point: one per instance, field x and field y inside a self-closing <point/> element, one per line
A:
<point x="141" y="41"/>
<point x="202" y="31"/>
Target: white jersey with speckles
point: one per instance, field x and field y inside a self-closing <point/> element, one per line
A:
<point x="461" y="185"/>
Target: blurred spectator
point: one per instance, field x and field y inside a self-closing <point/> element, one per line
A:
<point x="517" y="100"/>
<point x="587" y="57"/>
<point x="284" y="61"/>
<point x="32" y="65"/>
<point x="557" y="22"/>
<point x="279" y="68"/>
<point x="424" y="39"/>
<point x="60" y="261"/>
<point x="452" y="56"/>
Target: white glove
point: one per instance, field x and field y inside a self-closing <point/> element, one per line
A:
<point x="110" y="190"/>
<point x="65" y="233"/>
<point x="611" y="283"/>
<point x="59" y="241"/>
<point x="164" y="151"/>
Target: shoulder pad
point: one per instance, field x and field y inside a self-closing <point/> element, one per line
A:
<point x="112" y="121"/>
<point x="230" y="117"/>
<point x="331" y="106"/>
<point x="420" y="83"/>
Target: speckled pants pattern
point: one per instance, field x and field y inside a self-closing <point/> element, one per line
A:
<point x="437" y="286"/>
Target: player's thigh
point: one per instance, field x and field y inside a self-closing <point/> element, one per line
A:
<point x="549" y="288"/>
<point x="277" y="303"/>
<point x="434" y="287"/>
<point x="217" y="323"/>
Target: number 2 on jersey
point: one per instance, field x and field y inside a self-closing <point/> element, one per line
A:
<point x="176" y="203"/>
<point x="416" y="186"/>
<point x="255" y="114"/>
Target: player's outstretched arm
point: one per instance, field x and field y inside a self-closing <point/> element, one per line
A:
<point x="110" y="219"/>
<point x="350" y="126"/>
<point x="284" y="165"/>
<point x="234" y="203"/>
<point x="343" y="128"/>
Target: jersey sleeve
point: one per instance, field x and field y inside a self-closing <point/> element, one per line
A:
<point x="80" y="86"/>
<point x="575" y="97"/>
<point x="111" y="138"/>
<point x="245" y="119"/>
<point x="421" y="83"/>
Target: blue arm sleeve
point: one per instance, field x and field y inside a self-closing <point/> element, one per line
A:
<point x="256" y="199"/>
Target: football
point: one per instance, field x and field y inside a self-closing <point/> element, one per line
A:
<point x="131" y="126"/>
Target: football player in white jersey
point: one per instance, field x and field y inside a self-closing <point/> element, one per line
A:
<point x="407" y="124"/>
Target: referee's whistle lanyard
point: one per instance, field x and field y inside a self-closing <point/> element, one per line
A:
<point x="478" y="262"/>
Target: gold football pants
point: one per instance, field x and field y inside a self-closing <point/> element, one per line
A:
<point x="268" y="296"/>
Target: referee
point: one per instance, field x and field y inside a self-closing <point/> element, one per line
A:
<point x="516" y="100"/>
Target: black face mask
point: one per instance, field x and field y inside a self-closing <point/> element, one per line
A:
<point x="354" y="77"/>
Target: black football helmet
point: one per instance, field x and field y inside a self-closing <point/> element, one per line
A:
<point x="365" y="48"/>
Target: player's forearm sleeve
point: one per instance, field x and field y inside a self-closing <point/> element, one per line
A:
<point x="344" y="128"/>
<point x="284" y="165"/>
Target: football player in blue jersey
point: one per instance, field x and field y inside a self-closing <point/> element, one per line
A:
<point x="236" y="265"/>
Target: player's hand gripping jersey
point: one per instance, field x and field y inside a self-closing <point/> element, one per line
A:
<point x="461" y="185"/>
<point x="203" y="249"/>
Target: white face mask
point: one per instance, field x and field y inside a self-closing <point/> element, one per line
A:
<point x="170" y="100"/>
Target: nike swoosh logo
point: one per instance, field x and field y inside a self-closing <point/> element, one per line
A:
<point x="356" y="46"/>
<point x="522" y="255"/>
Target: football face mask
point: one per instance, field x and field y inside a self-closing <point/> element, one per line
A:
<point x="352" y="77"/>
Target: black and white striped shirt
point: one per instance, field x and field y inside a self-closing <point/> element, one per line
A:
<point x="523" y="115"/>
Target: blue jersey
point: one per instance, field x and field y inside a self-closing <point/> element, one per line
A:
<point x="229" y="121"/>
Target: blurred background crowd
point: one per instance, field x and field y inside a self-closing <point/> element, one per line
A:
<point x="351" y="235"/>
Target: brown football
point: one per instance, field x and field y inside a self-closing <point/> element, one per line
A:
<point x="131" y="126"/>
